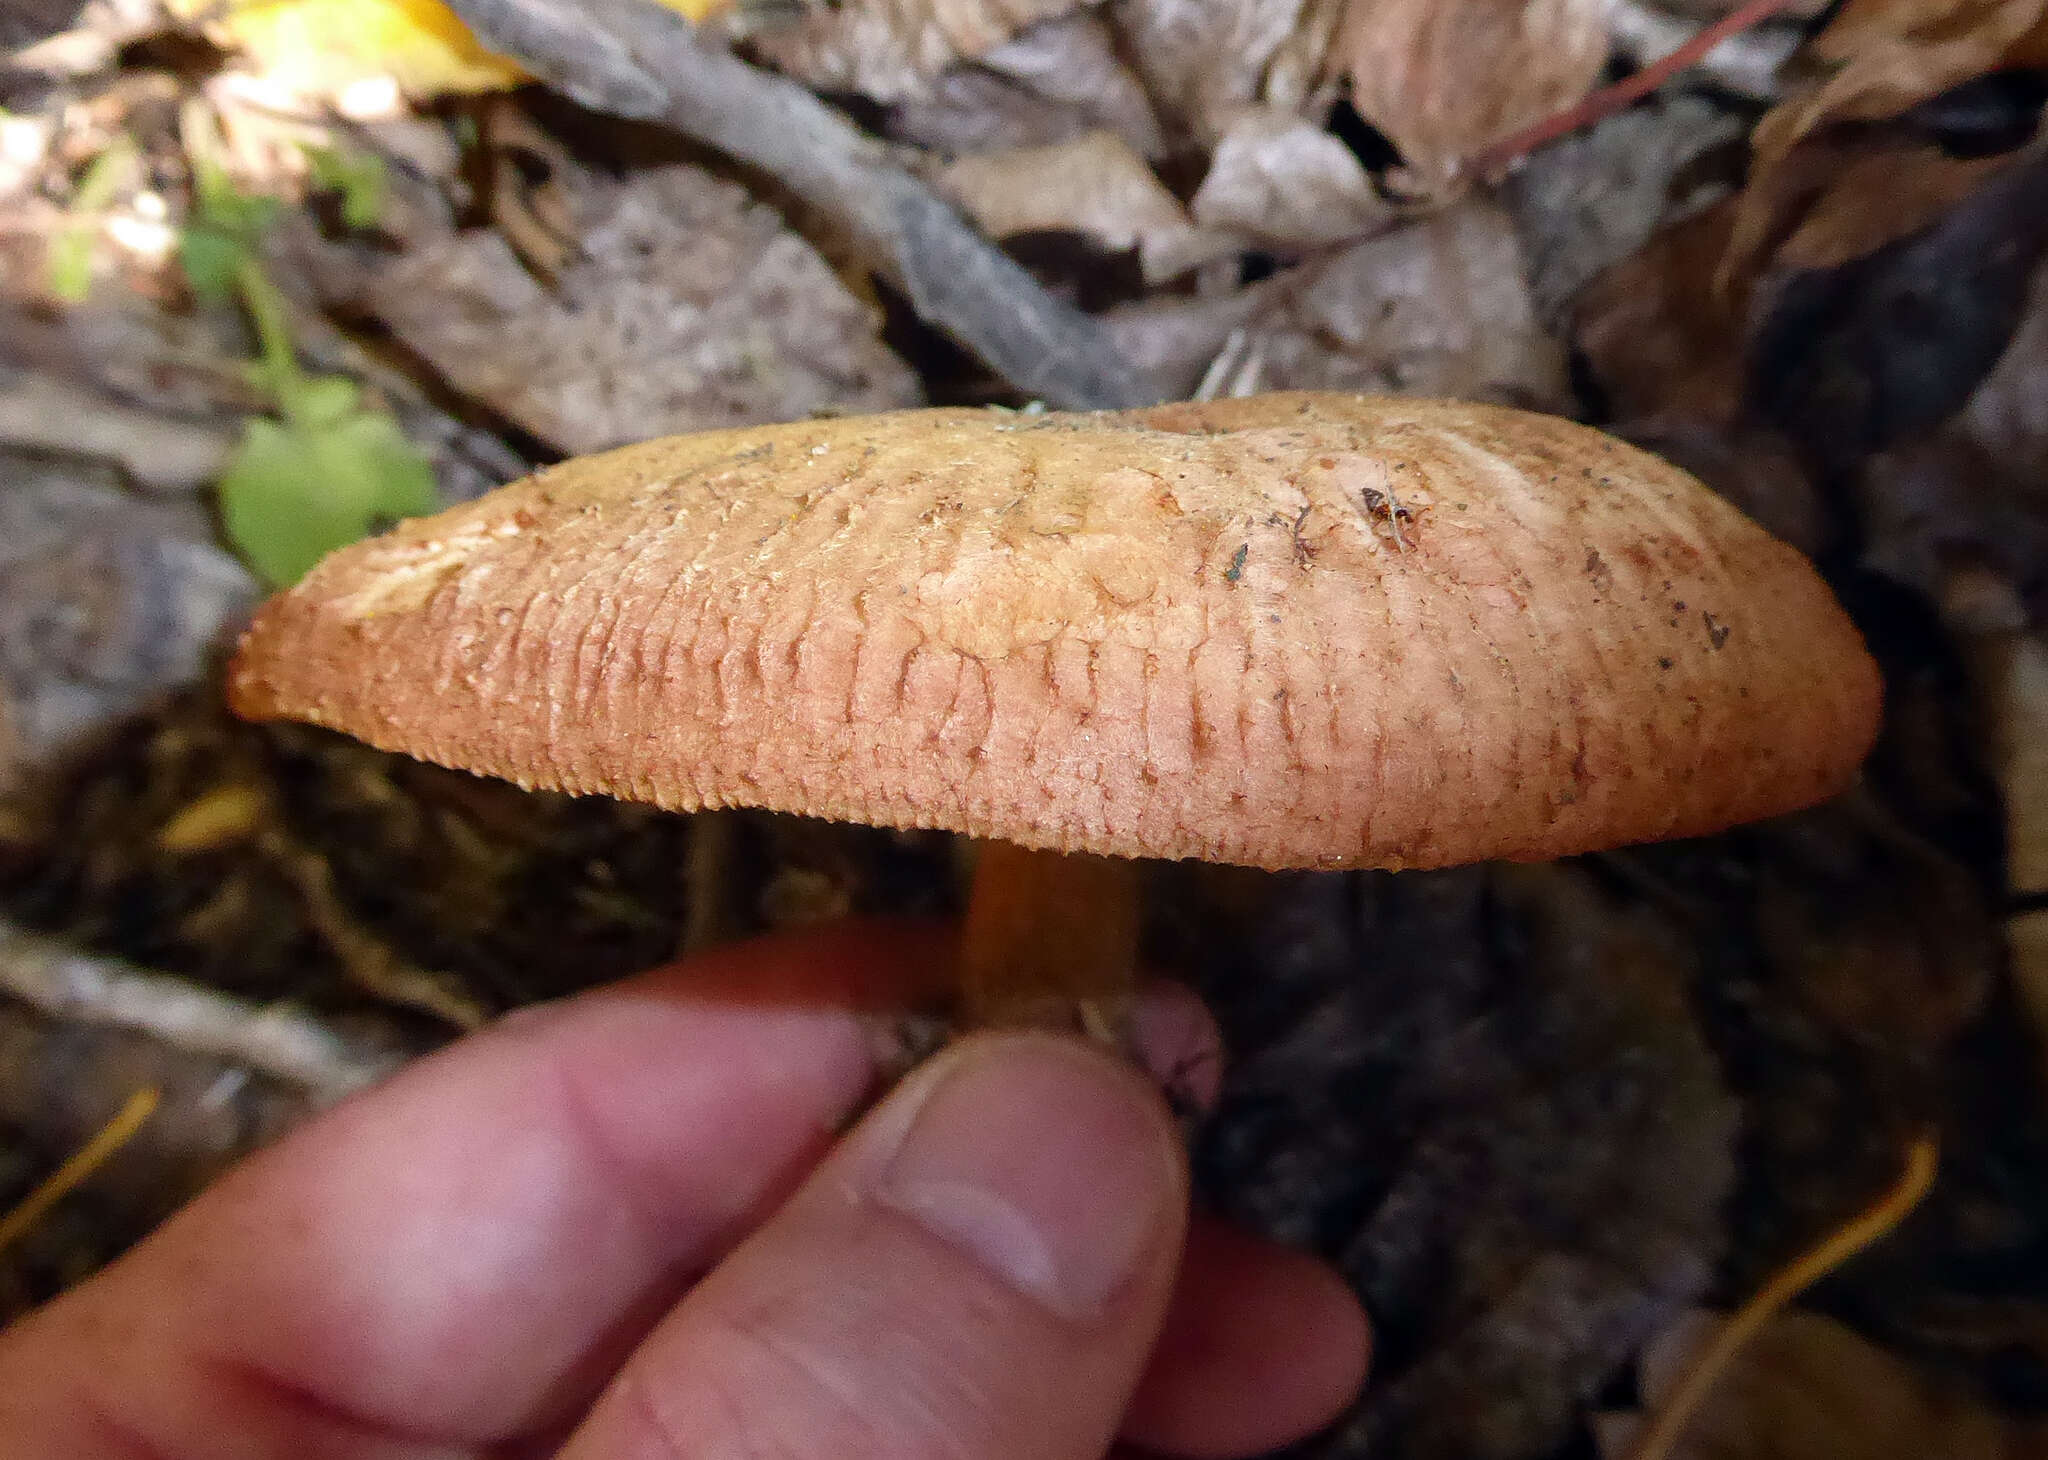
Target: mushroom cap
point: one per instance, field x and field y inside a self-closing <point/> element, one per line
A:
<point x="1297" y="630"/>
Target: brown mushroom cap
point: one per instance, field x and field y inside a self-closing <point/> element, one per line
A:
<point x="1296" y="630"/>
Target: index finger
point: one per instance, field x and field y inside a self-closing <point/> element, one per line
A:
<point x="459" y="1255"/>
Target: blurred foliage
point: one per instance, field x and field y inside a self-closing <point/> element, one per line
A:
<point x="327" y="469"/>
<point x="69" y="261"/>
<point x="358" y="179"/>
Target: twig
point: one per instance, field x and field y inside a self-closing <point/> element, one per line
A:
<point x="283" y="1043"/>
<point x="1610" y="99"/>
<point x="115" y="1134"/>
<point x="633" y="58"/>
<point x="370" y="963"/>
<point x="1746" y="65"/>
<point x="1666" y="1427"/>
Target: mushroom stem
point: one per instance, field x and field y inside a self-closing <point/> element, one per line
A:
<point x="1051" y="939"/>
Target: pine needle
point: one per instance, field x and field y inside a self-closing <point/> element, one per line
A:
<point x="1664" y="1429"/>
<point x="94" y="1154"/>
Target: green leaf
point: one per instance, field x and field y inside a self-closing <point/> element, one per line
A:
<point x="69" y="259"/>
<point x="210" y="259"/>
<point x="103" y="176"/>
<point x="223" y="207"/>
<point x="320" y="400"/>
<point x="359" y="177"/>
<point x="68" y="262"/>
<point x="299" y="489"/>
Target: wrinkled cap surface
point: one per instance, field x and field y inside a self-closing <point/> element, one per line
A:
<point x="1295" y="630"/>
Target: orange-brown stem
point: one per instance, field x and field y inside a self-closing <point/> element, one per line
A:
<point x="1051" y="938"/>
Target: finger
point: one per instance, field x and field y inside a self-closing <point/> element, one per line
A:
<point x="979" y="1269"/>
<point x="463" y="1252"/>
<point x="1174" y="1038"/>
<point x="1261" y="1347"/>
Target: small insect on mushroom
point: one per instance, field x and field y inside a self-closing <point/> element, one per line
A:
<point x="1112" y="643"/>
<point x="1385" y="506"/>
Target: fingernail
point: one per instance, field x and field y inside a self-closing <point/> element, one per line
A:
<point x="1052" y="1167"/>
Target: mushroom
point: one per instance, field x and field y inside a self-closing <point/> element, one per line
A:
<point x="1292" y="631"/>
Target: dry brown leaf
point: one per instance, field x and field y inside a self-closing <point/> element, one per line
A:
<point x="1276" y="179"/>
<point x="1443" y="78"/>
<point x="1837" y="197"/>
<point x="1093" y="185"/>
<point x="1611" y="1127"/>
<point x="1050" y="83"/>
<point x="1928" y="506"/>
<point x="1659" y="339"/>
<point x="158" y="453"/>
<point x="1808" y="1386"/>
<point x="1202" y="60"/>
<point x="1874" y="197"/>
<point x="1670" y="329"/>
<point x="1438" y="307"/>
<point x="1904" y="972"/>
<point x="1591" y="199"/>
<point x="686" y="306"/>
<point x="1884" y="344"/>
<point x="1297" y="74"/>
<point x="1887" y="55"/>
<point x="891" y="49"/>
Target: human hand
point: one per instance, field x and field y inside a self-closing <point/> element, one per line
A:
<point x="621" y="1225"/>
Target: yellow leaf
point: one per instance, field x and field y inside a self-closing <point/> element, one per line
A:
<point x="320" y="48"/>
<point x="221" y="817"/>
<point x="696" y="9"/>
<point x="323" y="47"/>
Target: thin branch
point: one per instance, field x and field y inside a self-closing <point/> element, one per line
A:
<point x="370" y="963"/>
<point x="1610" y="99"/>
<point x="633" y="58"/>
<point x="1745" y="65"/>
<point x="286" y="1044"/>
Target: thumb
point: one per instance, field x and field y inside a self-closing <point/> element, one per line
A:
<point x="980" y="1268"/>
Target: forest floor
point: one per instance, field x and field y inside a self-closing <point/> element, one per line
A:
<point x="271" y="276"/>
